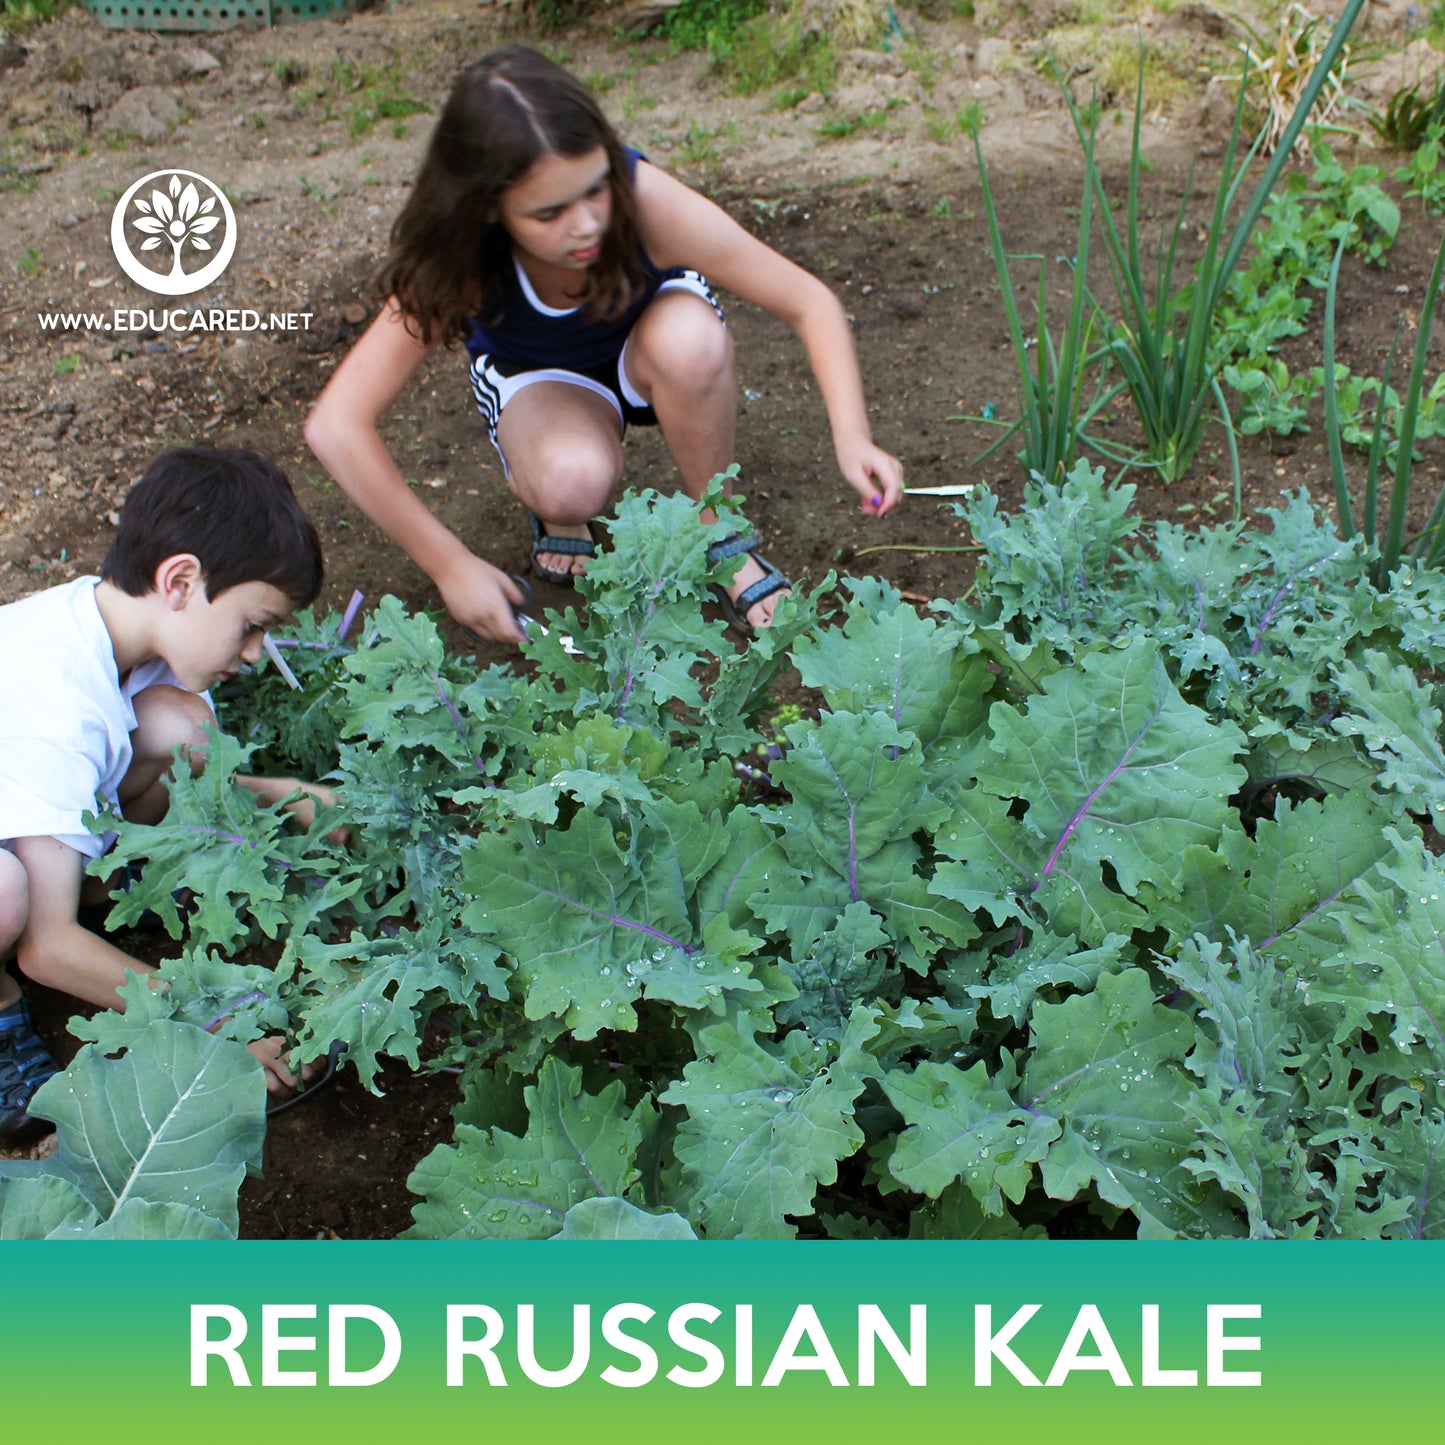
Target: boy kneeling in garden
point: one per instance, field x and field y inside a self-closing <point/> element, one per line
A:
<point x="104" y="678"/>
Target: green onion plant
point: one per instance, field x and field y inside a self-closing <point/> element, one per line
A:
<point x="1162" y="343"/>
<point x="1428" y="548"/>
<point x="1052" y="421"/>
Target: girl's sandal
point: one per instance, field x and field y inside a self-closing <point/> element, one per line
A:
<point x="561" y="546"/>
<point x="736" y="609"/>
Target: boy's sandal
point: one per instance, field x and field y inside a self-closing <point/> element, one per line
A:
<point x="25" y="1064"/>
<point x="305" y="1095"/>
<point x="562" y="546"/>
<point x="736" y="609"/>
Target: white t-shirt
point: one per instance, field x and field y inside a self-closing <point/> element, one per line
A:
<point x="65" y="716"/>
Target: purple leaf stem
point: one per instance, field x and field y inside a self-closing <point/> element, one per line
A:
<point x="1278" y="597"/>
<point x="349" y="616"/>
<point x="852" y="835"/>
<point x="1307" y="914"/>
<point x="619" y="922"/>
<point x="235" y="838"/>
<point x="1089" y="801"/>
<point x="457" y="719"/>
<point x="898" y="696"/>
<point x="1422" y="1211"/>
<point x="636" y="643"/>
<point x="256" y="996"/>
<point x="754" y="775"/>
<point x="1268" y="617"/>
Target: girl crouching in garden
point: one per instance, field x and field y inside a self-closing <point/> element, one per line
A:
<point x="578" y="276"/>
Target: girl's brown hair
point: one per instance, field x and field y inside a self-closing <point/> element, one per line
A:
<point x="450" y="254"/>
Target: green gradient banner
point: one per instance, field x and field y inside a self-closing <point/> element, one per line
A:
<point x="1106" y="1342"/>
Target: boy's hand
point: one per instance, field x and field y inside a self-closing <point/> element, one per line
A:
<point x="277" y="1064"/>
<point x="272" y="790"/>
<point x="269" y="1054"/>
<point x="874" y="474"/>
<point x="304" y="808"/>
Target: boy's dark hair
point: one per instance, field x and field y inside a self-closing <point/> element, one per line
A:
<point x="234" y="510"/>
<point x="450" y="254"/>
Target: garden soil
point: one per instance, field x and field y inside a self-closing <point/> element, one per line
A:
<point x="300" y="124"/>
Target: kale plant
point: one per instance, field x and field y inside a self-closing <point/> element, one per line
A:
<point x="1105" y="902"/>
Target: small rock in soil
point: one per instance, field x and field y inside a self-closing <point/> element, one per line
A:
<point x="147" y="112"/>
<point x="192" y="64"/>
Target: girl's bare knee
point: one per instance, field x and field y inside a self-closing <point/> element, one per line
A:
<point x="568" y="482"/>
<point x="685" y="349"/>
<point x="14" y="901"/>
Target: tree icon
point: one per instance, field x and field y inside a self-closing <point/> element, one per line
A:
<point x="177" y="217"/>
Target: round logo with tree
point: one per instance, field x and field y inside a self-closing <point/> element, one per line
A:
<point x="170" y="218"/>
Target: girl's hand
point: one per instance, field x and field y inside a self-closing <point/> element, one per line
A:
<point x="875" y="475"/>
<point x="483" y="599"/>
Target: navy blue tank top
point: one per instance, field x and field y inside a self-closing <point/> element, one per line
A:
<point x="534" y="336"/>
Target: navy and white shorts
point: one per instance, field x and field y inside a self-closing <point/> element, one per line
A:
<point x="496" y="381"/>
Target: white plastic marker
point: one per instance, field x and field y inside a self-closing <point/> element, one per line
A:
<point x="955" y="489"/>
<point x="528" y="624"/>
<point x="279" y="662"/>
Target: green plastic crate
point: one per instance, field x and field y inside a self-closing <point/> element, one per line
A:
<point x="210" y="14"/>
